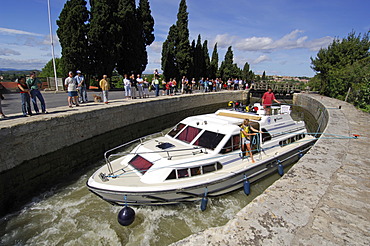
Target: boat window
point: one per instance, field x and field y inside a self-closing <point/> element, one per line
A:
<point x="265" y="135"/>
<point x="140" y="164"/>
<point x="195" y="171"/>
<point x="172" y="175"/>
<point x="188" y="134"/>
<point x="209" y="139"/>
<point x="176" y="129"/>
<point x="232" y="144"/>
<point x="209" y="168"/>
<point x="182" y="173"/>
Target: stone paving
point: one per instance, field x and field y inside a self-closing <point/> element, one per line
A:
<point x="323" y="200"/>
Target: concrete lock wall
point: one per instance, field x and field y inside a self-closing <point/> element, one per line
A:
<point x="40" y="152"/>
<point x="322" y="200"/>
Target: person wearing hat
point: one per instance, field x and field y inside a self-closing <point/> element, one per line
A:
<point x="81" y="87"/>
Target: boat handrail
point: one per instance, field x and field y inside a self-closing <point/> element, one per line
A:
<point x="107" y="157"/>
<point x="141" y="139"/>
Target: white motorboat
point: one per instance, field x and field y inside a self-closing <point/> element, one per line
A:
<point x="200" y="157"/>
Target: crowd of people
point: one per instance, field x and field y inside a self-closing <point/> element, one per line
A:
<point x="134" y="87"/>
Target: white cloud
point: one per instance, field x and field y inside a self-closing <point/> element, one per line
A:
<point x="8" y="52"/>
<point x="292" y="40"/>
<point x="156" y="47"/>
<point x="260" y="59"/>
<point x="18" y="32"/>
<point x="23" y="64"/>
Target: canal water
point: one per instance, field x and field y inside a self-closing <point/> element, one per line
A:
<point x="71" y="215"/>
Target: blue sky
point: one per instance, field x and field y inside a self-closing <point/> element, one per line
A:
<point x="276" y="36"/>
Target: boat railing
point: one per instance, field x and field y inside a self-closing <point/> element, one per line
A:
<point x="108" y="154"/>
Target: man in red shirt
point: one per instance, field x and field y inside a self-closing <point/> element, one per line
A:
<point x="267" y="99"/>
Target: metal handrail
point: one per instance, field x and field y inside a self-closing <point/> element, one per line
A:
<point x="107" y="157"/>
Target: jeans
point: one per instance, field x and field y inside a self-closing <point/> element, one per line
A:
<point x="127" y="90"/>
<point x="156" y="89"/>
<point x="82" y="94"/>
<point x="26" y="104"/>
<point x="37" y="94"/>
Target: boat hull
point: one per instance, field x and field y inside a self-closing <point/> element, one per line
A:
<point x="192" y="193"/>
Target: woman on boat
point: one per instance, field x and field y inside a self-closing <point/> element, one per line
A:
<point x="245" y="130"/>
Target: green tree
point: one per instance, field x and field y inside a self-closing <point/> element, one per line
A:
<point x="131" y="51"/>
<point x="182" y="45"/>
<point x="228" y="69"/>
<point x="263" y="76"/>
<point x="102" y="36"/>
<point x="206" y="59"/>
<point x="213" y="68"/>
<point x="340" y="54"/>
<point x="169" y="65"/>
<point x="48" y="70"/>
<point x="72" y="33"/>
<point x="146" y="20"/>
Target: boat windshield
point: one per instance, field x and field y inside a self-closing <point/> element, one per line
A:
<point x="188" y="134"/>
<point x="176" y="129"/>
<point x="209" y="140"/>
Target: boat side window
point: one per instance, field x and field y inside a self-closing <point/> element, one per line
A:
<point x="172" y="175"/>
<point x="182" y="173"/>
<point x="209" y="139"/>
<point x="188" y="134"/>
<point x="265" y="135"/>
<point x="176" y="129"/>
<point x="232" y="144"/>
<point x="209" y="168"/>
<point x="194" y="171"/>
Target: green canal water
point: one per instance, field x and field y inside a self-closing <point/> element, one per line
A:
<point x="71" y="215"/>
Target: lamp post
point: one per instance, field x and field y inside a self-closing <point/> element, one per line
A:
<point x="52" y="48"/>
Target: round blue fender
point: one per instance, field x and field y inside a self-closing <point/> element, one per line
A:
<point x="203" y="205"/>
<point x="247" y="187"/>
<point x="126" y="216"/>
<point x="280" y="169"/>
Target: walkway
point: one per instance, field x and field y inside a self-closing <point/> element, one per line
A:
<point x="323" y="200"/>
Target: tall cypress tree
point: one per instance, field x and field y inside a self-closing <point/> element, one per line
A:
<point x="135" y="32"/>
<point x="206" y="59"/>
<point x="102" y="36"/>
<point x="227" y="67"/>
<point x="147" y="21"/>
<point x="182" y="53"/>
<point x="72" y="33"/>
<point x="169" y="65"/>
<point x="213" y="68"/>
<point x="198" y="60"/>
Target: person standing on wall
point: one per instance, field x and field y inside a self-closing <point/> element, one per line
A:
<point x="127" y="85"/>
<point x="104" y="85"/>
<point x="33" y="84"/>
<point x="71" y="84"/>
<point x="81" y="85"/>
<point x="25" y="96"/>
<point x="267" y="99"/>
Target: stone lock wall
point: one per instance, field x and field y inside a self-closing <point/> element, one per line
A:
<point x="40" y="152"/>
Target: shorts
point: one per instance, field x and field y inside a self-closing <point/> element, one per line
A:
<point x="72" y="93"/>
<point x="245" y="141"/>
<point x="267" y="106"/>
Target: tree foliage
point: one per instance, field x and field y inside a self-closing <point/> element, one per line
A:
<point x="72" y="33"/>
<point x="48" y="70"/>
<point x="213" y="67"/>
<point x="113" y="35"/>
<point x="343" y="67"/>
